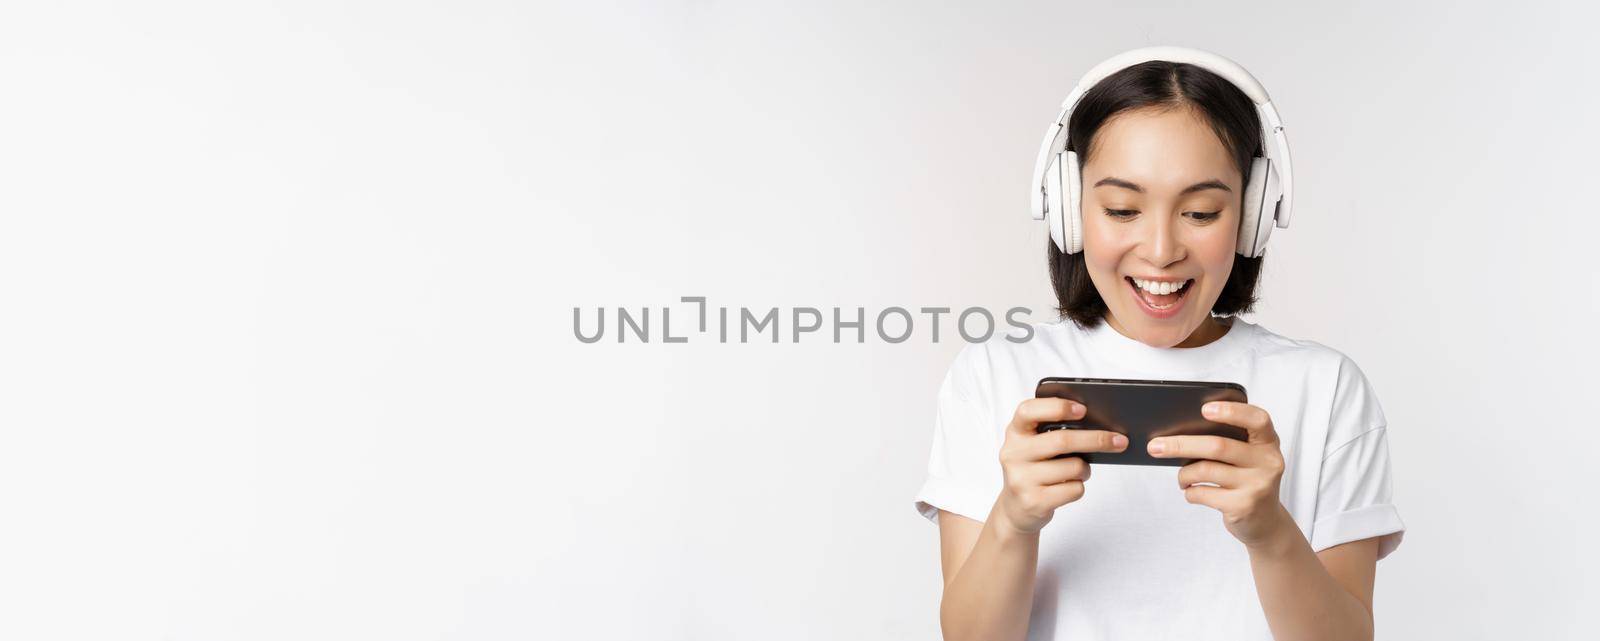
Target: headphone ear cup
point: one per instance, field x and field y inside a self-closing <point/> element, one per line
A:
<point x="1250" y="208"/>
<point x="1053" y="205"/>
<point x="1271" y="200"/>
<point x="1074" y="210"/>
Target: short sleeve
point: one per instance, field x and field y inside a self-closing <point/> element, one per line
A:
<point x="964" y="473"/>
<point x="1355" y="493"/>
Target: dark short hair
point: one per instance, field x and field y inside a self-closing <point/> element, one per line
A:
<point x="1163" y="85"/>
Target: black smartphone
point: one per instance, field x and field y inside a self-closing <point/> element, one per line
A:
<point x="1142" y="410"/>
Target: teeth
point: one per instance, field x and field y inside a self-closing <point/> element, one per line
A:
<point x="1159" y="287"/>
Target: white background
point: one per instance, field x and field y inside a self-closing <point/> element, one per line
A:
<point x="286" y="296"/>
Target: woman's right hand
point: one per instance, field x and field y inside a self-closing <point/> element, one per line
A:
<point x="1036" y="483"/>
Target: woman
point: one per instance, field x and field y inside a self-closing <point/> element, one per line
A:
<point x="1165" y="151"/>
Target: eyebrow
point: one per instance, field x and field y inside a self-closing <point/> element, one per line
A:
<point x="1200" y="186"/>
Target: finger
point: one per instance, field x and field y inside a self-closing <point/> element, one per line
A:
<point x="1074" y="441"/>
<point x="1062" y="493"/>
<point x="1216" y="448"/>
<point x="1031" y="412"/>
<point x="1253" y="419"/>
<point x="1213" y="497"/>
<point x="1222" y="474"/>
<point x="1051" y="472"/>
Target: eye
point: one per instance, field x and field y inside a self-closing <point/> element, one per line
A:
<point x="1121" y="213"/>
<point x="1205" y="216"/>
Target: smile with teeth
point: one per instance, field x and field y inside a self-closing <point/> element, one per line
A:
<point x="1159" y="294"/>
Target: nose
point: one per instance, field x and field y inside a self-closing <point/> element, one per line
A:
<point x="1161" y="245"/>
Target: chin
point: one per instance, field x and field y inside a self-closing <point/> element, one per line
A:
<point x="1158" y="333"/>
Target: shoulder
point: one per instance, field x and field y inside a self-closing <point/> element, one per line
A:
<point x="1328" y="374"/>
<point x="1304" y="354"/>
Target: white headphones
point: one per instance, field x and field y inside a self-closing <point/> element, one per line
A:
<point x="1057" y="192"/>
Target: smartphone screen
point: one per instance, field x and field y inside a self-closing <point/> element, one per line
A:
<point x="1142" y="410"/>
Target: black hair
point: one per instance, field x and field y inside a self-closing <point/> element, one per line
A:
<point x="1163" y="85"/>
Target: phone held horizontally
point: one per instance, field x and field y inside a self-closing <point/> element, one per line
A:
<point x="1142" y="410"/>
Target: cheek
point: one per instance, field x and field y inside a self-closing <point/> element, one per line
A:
<point x="1214" y="250"/>
<point x="1102" y="253"/>
<point x="1215" y="256"/>
<point x="1105" y="243"/>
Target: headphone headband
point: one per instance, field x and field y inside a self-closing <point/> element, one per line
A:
<point x="1274" y="143"/>
<point x="1211" y="62"/>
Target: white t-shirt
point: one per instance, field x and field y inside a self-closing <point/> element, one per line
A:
<point x="1132" y="559"/>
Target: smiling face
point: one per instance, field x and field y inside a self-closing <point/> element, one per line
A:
<point x="1160" y="224"/>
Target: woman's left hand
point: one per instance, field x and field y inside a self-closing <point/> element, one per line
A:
<point x="1246" y="473"/>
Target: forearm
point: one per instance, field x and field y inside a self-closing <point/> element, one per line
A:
<point x="991" y="596"/>
<point x="1302" y="601"/>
